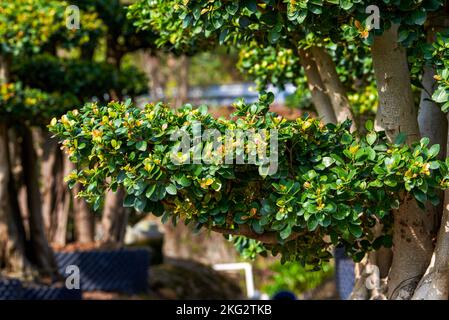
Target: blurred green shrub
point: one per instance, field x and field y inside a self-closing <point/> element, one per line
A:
<point x="294" y="277"/>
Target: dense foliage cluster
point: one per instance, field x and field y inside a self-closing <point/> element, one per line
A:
<point x="27" y="25"/>
<point x="185" y="23"/>
<point x="44" y="86"/>
<point x="331" y="187"/>
<point x="31" y="105"/>
<point x="270" y="65"/>
<point x="83" y="78"/>
<point x="438" y="53"/>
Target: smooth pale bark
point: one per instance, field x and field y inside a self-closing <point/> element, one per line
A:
<point x="434" y="285"/>
<point x="42" y="254"/>
<point x="412" y="241"/>
<point x="396" y="112"/>
<point x="360" y="290"/>
<point x="333" y="85"/>
<point x="320" y="99"/>
<point x="432" y="121"/>
<point x="371" y="275"/>
<point x="115" y="218"/>
<point x="433" y="125"/>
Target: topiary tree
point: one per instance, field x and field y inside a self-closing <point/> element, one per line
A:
<point x="25" y="27"/>
<point x="37" y="84"/>
<point x="283" y="22"/>
<point x="390" y="181"/>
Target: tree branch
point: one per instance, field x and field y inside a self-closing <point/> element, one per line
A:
<point x="244" y="230"/>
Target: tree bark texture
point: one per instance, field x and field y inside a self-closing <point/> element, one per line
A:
<point x="42" y="254"/>
<point x="12" y="241"/>
<point x="333" y="85"/>
<point x="320" y="99"/>
<point x="115" y="218"/>
<point x="412" y="241"/>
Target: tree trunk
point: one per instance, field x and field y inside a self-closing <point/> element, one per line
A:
<point x="63" y="197"/>
<point x="182" y="80"/>
<point x="4" y="68"/>
<point x="87" y="52"/>
<point x="48" y="165"/>
<point x="372" y="273"/>
<point x="432" y="124"/>
<point x="151" y="65"/>
<point x="12" y="246"/>
<point x="320" y="99"/>
<point x="412" y="242"/>
<point x="113" y="54"/>
<point x="13" y="258"/>
<point x="84" y="219"/>
<point x="17" y="185"/>
<point x="42" y="255"/>
<point x="115" y="218"/>
<point x="434" y="285"/>
<point x="432" y="121"/>
<point x="332" y="83"/>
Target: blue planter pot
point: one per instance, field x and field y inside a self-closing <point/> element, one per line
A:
<point x="42" y="292"/>
<point x="344" y="273"/>
<point x="124" y="270"/>
<point x="13" y="289"/>
<point x="10" y="289"/>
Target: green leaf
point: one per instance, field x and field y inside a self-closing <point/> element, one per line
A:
<point x="390" y="183"/>
<point x="403" y="34"/>
<point x="223" y="34"/>
<point x="400" y="138"/>
<point x="328" y="161"/>
<point x="445" y="107"/>
<point x="171" y="189"/>
<point x="141" y="145"/>
<point x="150" y="190"/>
<point x="419" y="16"/>
<point x="346" y="4"/>
<point x="355" y="230"/>
<point x="371" y="138"/>
<point x="302" y="15"/>
<point x="312" y="223"/>
<point x="140" y="204"/>
<point x="240" y="218"/>
<point x="286" y="232"/>
<point x="369" y="125"/>
<point x="232" y="7"/>
<point x="346" y="138"/>
<point x="184" y="181"/>
<point x="434" y="165"/>
<point x="424" y="141"/>
<point x="434" y="150"/>
<point x="129" y="201"/>
<point x="376" y="184"/>
<point x="441" y="95"/>
<point x="273" y="36"/>
<point x="420" y="196"/>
